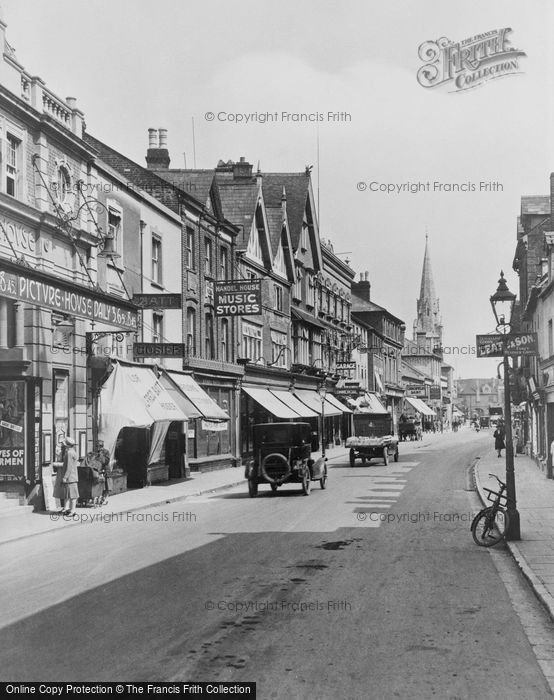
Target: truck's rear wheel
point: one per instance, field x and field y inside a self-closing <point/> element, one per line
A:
<point x="306" y="482"/>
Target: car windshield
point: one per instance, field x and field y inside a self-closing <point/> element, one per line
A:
<point x="282" y="434"/>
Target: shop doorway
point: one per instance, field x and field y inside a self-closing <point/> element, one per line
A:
<point x="175" y="450"/>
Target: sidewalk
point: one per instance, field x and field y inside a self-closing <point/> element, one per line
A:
<point x="20" y="525"/>
<point x="534" y="553"/>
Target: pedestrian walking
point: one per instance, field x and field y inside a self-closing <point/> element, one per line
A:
<point x="498" y="435"/>
<point x="70" y="477"/>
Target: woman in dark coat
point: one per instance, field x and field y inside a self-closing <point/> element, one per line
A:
<point x="499" y="439"/>
<point x="70" y="477"/>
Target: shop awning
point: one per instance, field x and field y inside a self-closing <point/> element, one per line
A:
<point x="292" y="402"/>
<point x="271" y="403"/>
<point x="420" y="406"/>
<point x="313" y="400"/>
<point x="299" y="315"/>
<point x="337" y="404"/>
<point x="133" y="396"/>
<point x="188" y="408"/>
<point x="369" y="403"/>
<point x="198" y="397"/>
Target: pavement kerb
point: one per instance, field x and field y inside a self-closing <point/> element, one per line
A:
<point x="540" y="590"/>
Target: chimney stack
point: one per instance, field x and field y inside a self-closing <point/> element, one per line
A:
<point x="362" y="289"/>
<point x="157" y="156"/>
<point x="242" y="169"/>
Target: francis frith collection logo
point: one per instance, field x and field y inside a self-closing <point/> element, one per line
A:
<point x="469" y="63"/>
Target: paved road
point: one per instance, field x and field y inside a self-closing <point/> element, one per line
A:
<point x="370" y="588"/>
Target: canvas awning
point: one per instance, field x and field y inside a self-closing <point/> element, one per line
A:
<point x="198" y="397"/>
<point x="300" y="315"/>
<point x="369" y="403"/>
<point x="188" y="408"/>
<point x="295" y="404"/>
<point x="313" y="400"/>
<point x="337" y="404"/>
<point x="420" y="406"/>
<point x="133" y="396"/>
<point x="271" y="403"/>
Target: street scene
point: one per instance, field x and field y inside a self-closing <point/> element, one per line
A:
<point x="276" y="350"/>
<point x="307" y="598"/>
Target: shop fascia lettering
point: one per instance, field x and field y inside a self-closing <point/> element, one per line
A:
<point x="39" y="290"/>
<point x="44" y="293"/>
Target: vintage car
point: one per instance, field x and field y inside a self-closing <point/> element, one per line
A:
<point x="282" y="454"/>
<point x="373" y="437"/>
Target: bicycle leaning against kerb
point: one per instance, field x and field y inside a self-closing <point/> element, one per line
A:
<point x="490" y="525"/>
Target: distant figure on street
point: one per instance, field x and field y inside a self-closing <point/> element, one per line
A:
<point x="498" y="436"/>
<point x="70" y="477"/>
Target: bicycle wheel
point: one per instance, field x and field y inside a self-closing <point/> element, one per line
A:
<point x="489" y="526"/>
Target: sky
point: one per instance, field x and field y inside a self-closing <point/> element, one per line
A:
<point x="133" y="64"/>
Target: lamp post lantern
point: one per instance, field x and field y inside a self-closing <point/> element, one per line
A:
<point x="503" y="302"/>
<point x="322" y="391"/>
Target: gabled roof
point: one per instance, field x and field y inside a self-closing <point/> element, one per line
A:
<point x="297" y="187"/>
<point x="299" y="198"/>
<point x="279" y="234"/>
<point x="535" y="204"/>
<point x="238" y="201"/>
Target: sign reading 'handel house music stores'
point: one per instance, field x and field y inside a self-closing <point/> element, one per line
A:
<point x="238" y="298"/>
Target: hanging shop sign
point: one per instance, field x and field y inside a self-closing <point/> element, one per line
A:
<point x="434" y="392"/>
<point x="238" y="298"/>
<point x="157" y="301"/>
<point x="517" y="344"/>
<point x="159" y="350"/>
<point x="41" y="289"/>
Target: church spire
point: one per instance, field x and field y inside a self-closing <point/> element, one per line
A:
<point x="428" y="320"/>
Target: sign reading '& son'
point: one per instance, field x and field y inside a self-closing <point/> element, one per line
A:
<point x="238" y="298"/>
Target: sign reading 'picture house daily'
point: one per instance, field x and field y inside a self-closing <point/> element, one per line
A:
<point x="53" y="293"/>
<point x="238" y="298"/>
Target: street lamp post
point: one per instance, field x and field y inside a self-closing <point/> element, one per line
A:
<point x="502" y="302"/>
<point x="322" y="391"/>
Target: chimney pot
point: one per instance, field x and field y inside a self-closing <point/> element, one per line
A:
<point x="163" y="138"/>
<point x="152" y="138"/>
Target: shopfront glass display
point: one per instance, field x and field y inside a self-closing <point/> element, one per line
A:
<point x="12" y="430"/>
